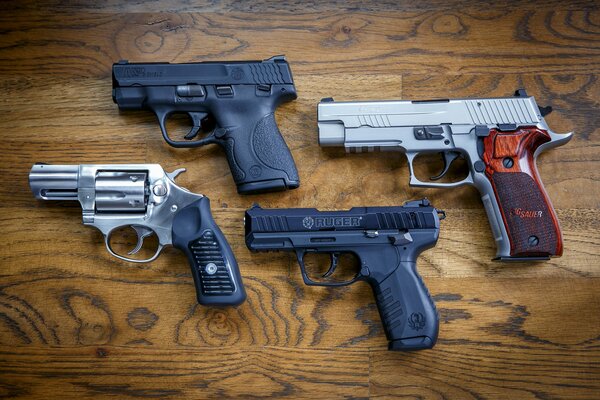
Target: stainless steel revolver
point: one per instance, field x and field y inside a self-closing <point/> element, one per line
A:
<point x="146" y="198"/>
<point x="500" y="138"/>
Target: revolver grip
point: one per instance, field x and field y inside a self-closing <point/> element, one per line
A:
<point x="260" y="160"/>
<point x="407" y="311"/>
<point x="214" y="268"/>
<point x="523" y="206"/>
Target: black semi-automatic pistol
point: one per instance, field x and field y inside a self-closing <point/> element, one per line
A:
<point x="386" y="241"/>
<point x="232" y="101"/>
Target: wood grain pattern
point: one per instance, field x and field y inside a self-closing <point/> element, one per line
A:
<point x="77" y="323"/>
<point x="473" y="41"/>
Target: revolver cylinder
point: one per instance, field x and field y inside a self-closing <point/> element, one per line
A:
<point x="121" y="191"/>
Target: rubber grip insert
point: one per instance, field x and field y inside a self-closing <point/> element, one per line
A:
<point x="260" y="160"/>
<point x="406" y="309"/>
<point x="214" y="268"/>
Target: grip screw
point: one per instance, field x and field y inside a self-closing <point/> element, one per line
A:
<point x="533" y="241"/>
<point x="210" y="268"/>
<point x="508" y="162"/>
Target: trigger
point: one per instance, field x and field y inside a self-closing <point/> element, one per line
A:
<point x="192" y="133"/>
<point x="448" y="157"/>
<point x="333" y="266"/>
<point x="196" y="125"/>
<point x="142" y="233"/>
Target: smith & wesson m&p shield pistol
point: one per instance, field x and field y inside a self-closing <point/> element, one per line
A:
<point x="146" y="198"/>
<point x="500" y="138"/>
<point x="232" y="101"/>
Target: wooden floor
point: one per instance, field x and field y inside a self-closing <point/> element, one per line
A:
<point x="77" y="323"/>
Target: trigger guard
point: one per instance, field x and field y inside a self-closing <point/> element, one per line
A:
<point x="162" y="120"/>
<point x="133" y="260"/>
<point x="414" y="181"/>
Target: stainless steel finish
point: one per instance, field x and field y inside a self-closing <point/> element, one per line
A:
<point x="159" y="190"/>
<point x="388" y="126"/>
<point x="54" y="182"/>
<point x="117" y="195"/>
<point x="120" y="191"/>
<point x="331" y="133"/>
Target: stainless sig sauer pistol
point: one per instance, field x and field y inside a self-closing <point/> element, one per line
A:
<point x="500" y="138"/>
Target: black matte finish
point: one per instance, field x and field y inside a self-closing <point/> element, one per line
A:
<point x="386" y="240"/>
<point x="198" y="236"/>
<point x="241" y="97"/>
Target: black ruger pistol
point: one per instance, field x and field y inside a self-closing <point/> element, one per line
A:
<point x="387" y="242"/>
<point x="234" y="101"/>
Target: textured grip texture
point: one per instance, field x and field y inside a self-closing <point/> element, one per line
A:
<point x="236" y="170"/>
<point x="271" y="149"/>
<point x="406" y="309"/>
<point x="527" y="213"/>
<point x="214" y="268"/>
<point x="207" y="251"/>
<point x="259" y="158"/>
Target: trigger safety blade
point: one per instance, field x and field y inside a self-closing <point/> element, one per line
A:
<point x="198" y="124"/>
<point x="192" y="133"/>
<point x="332" y="267"/>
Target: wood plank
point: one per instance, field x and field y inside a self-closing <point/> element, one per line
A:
<point x="111" y="371"/>
<point x="473" y="371"/>
<point x="521" y="41"/>
<point x="126" y="306"/>
<point x="288" y="6"/>
<point x="497" y="337"/>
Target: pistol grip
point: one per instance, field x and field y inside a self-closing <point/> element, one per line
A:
<point x="524" y="207"/>
<point x="214" y="268"/>
<point x="406" y="309"/>
<point x="260" y="160"/>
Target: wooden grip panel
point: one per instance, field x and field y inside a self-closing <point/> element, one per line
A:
<point x="527" y="212"/>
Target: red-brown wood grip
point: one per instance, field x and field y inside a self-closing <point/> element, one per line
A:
<point x="527" y="212"/>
